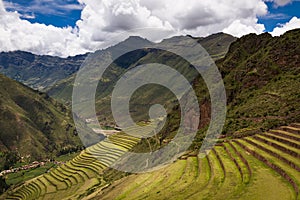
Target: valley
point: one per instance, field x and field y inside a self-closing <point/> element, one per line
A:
<point x="257" y="155"/>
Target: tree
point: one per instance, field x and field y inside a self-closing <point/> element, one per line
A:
<point x="3" y="185"/>
<point x="11" y="158"/>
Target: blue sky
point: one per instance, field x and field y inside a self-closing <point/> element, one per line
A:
<point x="62" y="13"/>
<point x="279" y="15"/>
<point x="59" y="13"/>
<point x="67" y="27"/>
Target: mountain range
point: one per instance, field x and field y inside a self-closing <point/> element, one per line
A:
<point x="254" y="71"/>
<point x="38" y="72"/>
<point x="261" y="75"/>
<point x="44" y="125"/>
<point x="216" y="45"/>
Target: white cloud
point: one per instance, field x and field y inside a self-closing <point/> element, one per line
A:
<point x="18" y="34"/>
<point x="104" y="19"/>
<point x="243" y="27"/>
<point x="211" y="15"/>
<point x="275" y="16"/>
<point x="279" y="3"/>
<point x="28" y="16"/>
<point x="50" y="7"/>
<point x="101" y="20"/>
<point x="282" y="2"/>
<point x="292" y="24"/>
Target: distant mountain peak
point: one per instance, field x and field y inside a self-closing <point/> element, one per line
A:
<point x="135" y="37"/>
<point x="134" y="40"/>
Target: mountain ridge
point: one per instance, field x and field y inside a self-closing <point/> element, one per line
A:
<point x="217" y="45"/>
<point x="36" y="71"/>
<point x="33" y="124"/>
<point x="43" y="71"/>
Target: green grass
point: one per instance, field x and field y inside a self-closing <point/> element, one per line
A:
<point x="227" y="172"/>
<point x="294" y="174"/>
<point x="233" y="183"/>
<point x="81" y="175"/>
<point x="22" y="176"/>
<point x="203" y="179"/>
<point x="217" y="180"/>
<point x="150" y="185"/>
<point x="187" y="178"/>
<point x="66" y="157"/>
<point x="244" y="177"/>
<point x="263" y="181"/>
<point x="286" y="146"/>
<point x="297" y="143"/>
<point x="277" y="151"/>
<point x="245" y="171"/>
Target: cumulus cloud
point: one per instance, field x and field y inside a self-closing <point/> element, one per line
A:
<point x="18" y="34"/>
<point x="196" y="13"/>
<point x="102" y="20"/>
<point x="292" y="24"/>
<point x="243" y="27"/>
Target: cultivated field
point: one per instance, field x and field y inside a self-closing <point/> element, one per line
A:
<point x="77" y="177"/>
<point x="262" y="166"/>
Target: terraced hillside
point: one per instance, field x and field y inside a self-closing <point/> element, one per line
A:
<point x="78" y="177"/>
<point x="262" y="166"/>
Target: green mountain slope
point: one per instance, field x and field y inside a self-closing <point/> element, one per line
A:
<point x="262" y="78"/>
<point x="261" y="74"/>
<point x="63" y="89"/>
<point x="257" y="158"/>
<point x="38" y="72"/>
<point x="32" y="123"/>
<point x="217" y="45"/>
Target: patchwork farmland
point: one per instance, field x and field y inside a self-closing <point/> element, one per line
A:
<point x="262" y="166"/>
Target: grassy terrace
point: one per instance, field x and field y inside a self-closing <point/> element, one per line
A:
<point x="77" y="176"/>
<point x="246" y="168"/>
